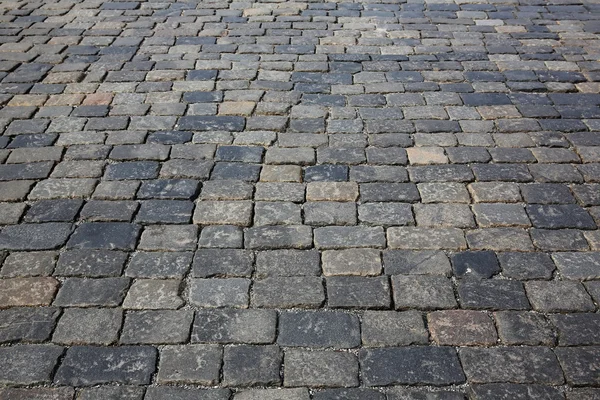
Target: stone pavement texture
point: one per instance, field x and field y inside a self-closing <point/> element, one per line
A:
<point x="293" y="200"/>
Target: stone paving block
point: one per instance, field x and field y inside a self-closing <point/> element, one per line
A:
<point x="524" y="328"/>
<point x="222" y="262"/>
<point x="252" y="365"/>
<point x="191" y="364"/>
<point x="475" y="264"/>
<point x="27" y="291"/>
<point x="422" y="292"/>
<point x="104" y="235"/>
<point x="288" y="292"/>
<point x="28" y="264"/>
<point x="88" y="326"/>
<point x="492" y="294"/>
<point x="320" y="369"/>
<point x="524" y="266"/>
<point x="403" y="365"/>
<point x="391" y="328"/>
<point x="26" y="324"/>
<point x="517" y="365"/>
<point x="416" y="262"/>
<point x="578" y="364"/>
<point x="217" y="293"/>
<point x="577" y="266"/>
<point x="347" y="237"/>
<point x="287" y="263"/>
<point x="153" y="294"/>
<point x="576" y="329"/>
<point x="88" y="366"/>
<point x="159" y="264"/>
<point x="558" y="296"/>
<point x="28" y="364"/>
<point x="278" y="237"/>
<point x="156" y="326"/>
<point x="46" y="236"/>
<point x="461" y="328"/>
<point x="90" y="263"/>
<point x="358" y="292"/>
<point x="169" y="238"/>
<point x="318" y="329"/>
<point x="234" y="326"/>
<point x="81" y="292"/>
<point x="363" y="262"/>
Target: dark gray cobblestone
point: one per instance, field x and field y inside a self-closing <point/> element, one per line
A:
<point x="349" y="200"/>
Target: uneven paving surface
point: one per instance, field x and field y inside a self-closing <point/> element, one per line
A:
<point x="287" y="200"/>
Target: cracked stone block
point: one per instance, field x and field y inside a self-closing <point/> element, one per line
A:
<point x="416" y="262"/>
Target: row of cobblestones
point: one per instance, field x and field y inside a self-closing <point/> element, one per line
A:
<point x="295" y="200"/>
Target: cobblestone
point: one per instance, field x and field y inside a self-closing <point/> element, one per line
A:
<point x="294" y="200"/>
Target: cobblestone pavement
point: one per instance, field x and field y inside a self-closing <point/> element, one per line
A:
<point x="279" y="200"/>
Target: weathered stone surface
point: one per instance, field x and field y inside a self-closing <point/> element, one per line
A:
<point x="252" y="365"/>
<point x="390" y="328"/>
<point x="16" y="292"/>
<point x="28" y="364"/>
<point x="191" y="364"/>
<point x="320" y="369"/>
<point x="47" y="236"/>
<point x="234" y="326"/>
<point x="26" y="324"/>
<point x="461" y="328"/>
<point x="88" y="366"/>
<point x="404" y="365"/>
<point x="318" y="329"/>
<point x="351" y="262"/>
<point x="104" y="235"/>
<point x="88" y="326"/>
<point x="518" y="365"/>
